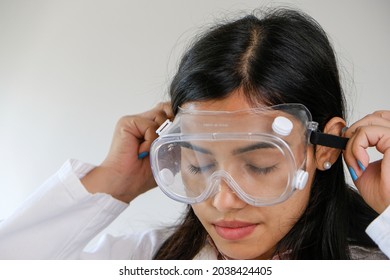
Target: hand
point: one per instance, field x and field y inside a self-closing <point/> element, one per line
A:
<point x="126" y="172"/>
<point x="371" y="179"/>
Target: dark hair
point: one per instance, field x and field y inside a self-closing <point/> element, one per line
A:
<point x="284" y="56"/>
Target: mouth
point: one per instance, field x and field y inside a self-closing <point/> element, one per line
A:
<point x="234" y="230"/>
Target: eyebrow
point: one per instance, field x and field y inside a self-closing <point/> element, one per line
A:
<point x="188" y="145"/>
<point x="263" y="145"/>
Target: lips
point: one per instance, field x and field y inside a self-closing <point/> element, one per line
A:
<point x="234" y="230"/>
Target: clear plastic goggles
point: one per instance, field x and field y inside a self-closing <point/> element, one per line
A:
<point x="259" y="153"/>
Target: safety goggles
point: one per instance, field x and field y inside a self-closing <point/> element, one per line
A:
<point x="259" y="153"/>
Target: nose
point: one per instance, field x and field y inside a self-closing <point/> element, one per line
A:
<point x="225" y="199"/>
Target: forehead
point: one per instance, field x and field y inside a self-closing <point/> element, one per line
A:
<point x="225" y="117"/>
<point x="234" y="102"/>
<point x="227" y="121"/>
<point x="262" y="120"/>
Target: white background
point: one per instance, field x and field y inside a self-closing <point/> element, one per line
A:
<point x="70" y="69"/>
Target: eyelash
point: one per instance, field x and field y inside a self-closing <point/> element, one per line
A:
<point x="262" y="171"/>
<point x="196" y="170"/>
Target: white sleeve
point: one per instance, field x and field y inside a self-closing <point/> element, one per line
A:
<point x="131" y="246"/>
<point x="58" y="220"/>
<point x="379" y="231"/>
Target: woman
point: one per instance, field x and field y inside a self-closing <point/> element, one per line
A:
<point x="282" y="58"/>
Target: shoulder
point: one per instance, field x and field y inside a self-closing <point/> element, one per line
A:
<point x="207" y="253"/>
<point x="147" y="243"/>
<point x="138" y="245"/>
<point x="366" y="253"/>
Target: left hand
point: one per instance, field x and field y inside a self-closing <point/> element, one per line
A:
<point x="372" y="179"/>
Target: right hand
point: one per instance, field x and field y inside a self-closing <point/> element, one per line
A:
<point x="122" y="174"/>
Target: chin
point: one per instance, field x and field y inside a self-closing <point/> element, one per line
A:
<point x="244" y="252"/>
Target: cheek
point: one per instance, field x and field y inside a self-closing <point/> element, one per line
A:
<point x="311" y="166"/>
<point x="282" y="217"/>
<point x="296" y="205"/>
<point x="201" y="210"/>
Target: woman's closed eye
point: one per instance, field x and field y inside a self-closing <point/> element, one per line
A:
<point x="262" y="170"/>
<point x="200" y="169"/>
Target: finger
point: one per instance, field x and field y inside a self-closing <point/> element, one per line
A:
<point x="149" y="136"/>
<point x="383" y="114"/>
<point x="159" y="113"/>
<point x="370" y="136"/>
<point x="378" y="118"/>
<point x="138" y="123"/>
<point x="356" y="155"/>
<point x="166" y="107"/>
<point x="386" y="165"/>
<point x="134" y="130"/>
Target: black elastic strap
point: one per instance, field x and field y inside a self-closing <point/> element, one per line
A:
<point x="328" y="140"/>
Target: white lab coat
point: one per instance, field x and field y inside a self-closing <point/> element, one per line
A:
<point x="61" y="218"/>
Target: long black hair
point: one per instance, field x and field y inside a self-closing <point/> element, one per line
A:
<point x="283" y="56"/>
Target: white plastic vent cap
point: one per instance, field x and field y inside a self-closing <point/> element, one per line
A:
<point x="282" y="126"/>
<point x="166" y="176"/>
<point x="301" y="178"/>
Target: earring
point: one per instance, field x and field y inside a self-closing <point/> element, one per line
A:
<point x="327" y="165"/>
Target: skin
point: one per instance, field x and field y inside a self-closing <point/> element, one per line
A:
<point x="271" y="223"/>
<point x="125" y="176"/>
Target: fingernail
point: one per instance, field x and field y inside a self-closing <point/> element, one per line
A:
<point x="353" y="173"/>
<point x="344" y="129"/>
<point x="143" y="155"/>
<point x="361" y="166"/>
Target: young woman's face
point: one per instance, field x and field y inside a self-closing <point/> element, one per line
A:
<point x="240" y="230"/>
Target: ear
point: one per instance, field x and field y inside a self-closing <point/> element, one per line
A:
<point x="326" y="154"/>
